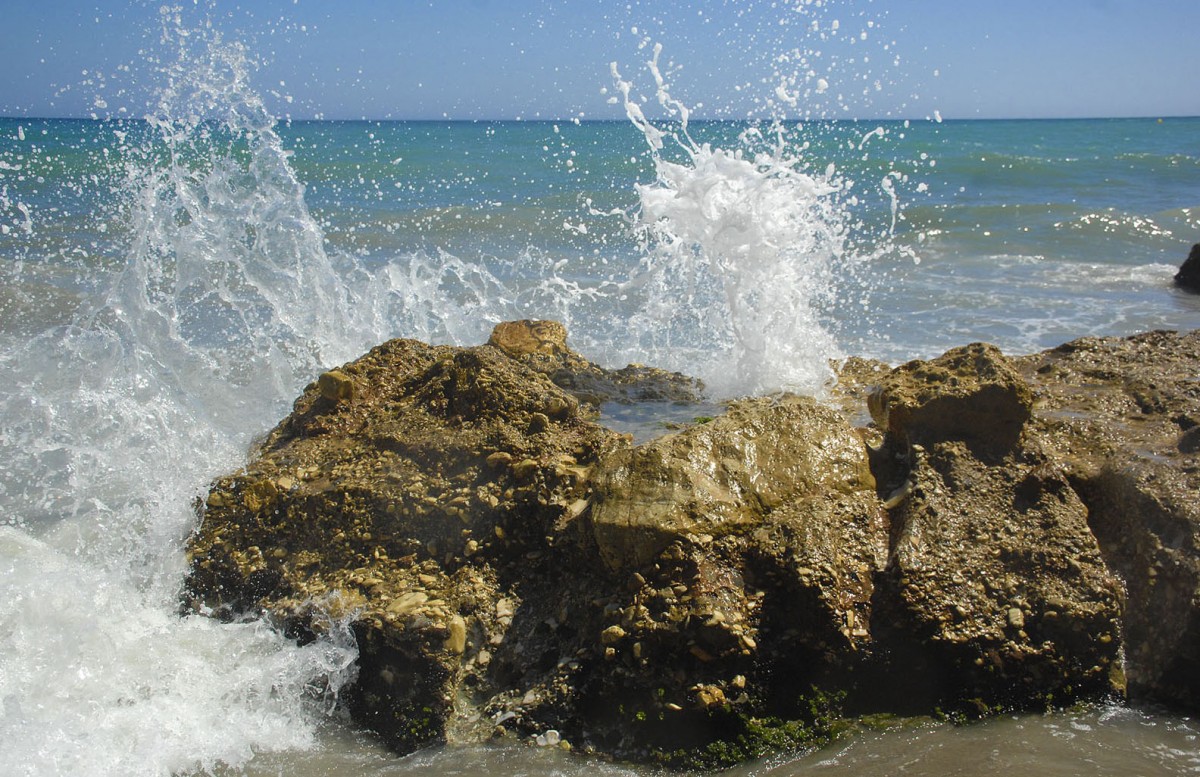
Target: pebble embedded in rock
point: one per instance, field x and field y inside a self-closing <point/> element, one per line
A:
<point x="335" y="386"/>
<point x="1016" y="618"/>
<point x="499" y="459"/>
<point x="456" y="640"/>
<point x="612" y="635"/>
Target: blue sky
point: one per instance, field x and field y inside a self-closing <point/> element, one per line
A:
<point x="507" y="59"/>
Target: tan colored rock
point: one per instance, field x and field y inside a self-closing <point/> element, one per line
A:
<point x="986" y="520"/>
<point x="972" y="393"/>
<point x="336" y="386"/>
<point x="487" y="541"/>
<point x="612" y="635"/>
<point x="456" y="636"/>
<point x="401" y="486"/>
<point x="1115" y="412"/>
<point x="520" y="338"/>
<point x="722" y="477"/>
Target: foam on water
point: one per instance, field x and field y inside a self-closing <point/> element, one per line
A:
<point x="95" y="679"/>
<point x="225" y="306"/>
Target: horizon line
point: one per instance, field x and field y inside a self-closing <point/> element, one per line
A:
<point x="621" y="120"/>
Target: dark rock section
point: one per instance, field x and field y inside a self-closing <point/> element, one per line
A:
<point x="993" y="567"/>
<point x="1188" y="276"/>
<point x="1121" y="416"/>
<point x="510" y="567"/>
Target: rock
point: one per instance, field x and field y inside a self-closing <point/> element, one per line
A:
<point x="456" y="639"/>
<point x="612" y="635"/>
<point x="972" y="394"/>
<point x="404" y="509"/>
<point x="987" y="538"/>
<point x="335" y="386"/>
<point x="733" y="588"/>
<point x="1188" y="277"/>
<point x="542" y="346"/>
<point x="722" y="477"/>
<point x="550" y="738"/>
<point x="1117" y="412"/>
<point x="521" y="338"/>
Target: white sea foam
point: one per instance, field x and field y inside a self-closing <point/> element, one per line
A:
<point x="744" y="253"/>
<point x="96" y="680"/>
<point x="226" y="305"/>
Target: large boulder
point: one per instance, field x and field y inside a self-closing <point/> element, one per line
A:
<point x="994" y="569"/>
<point x="972" y="394"/>
<point x="750" y="544"/>
<point x="508" y="566"/>
<point x="1122" y="417"/>
<point x="411" y="490"/>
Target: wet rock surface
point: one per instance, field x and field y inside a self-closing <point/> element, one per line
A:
<point x="1188" y="277"/>
<point x="1122" y="418"/>
<point x="993" y="565"/>
<point x="509" y="567"/>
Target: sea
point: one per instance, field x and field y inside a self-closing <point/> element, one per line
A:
<point x="170" y="283"/>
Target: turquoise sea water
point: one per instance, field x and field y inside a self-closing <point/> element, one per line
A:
<point x="1023" y="233"/>
<point x="167" y="287"/>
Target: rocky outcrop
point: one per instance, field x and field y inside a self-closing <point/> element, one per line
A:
<point x="993" y="567"/>
<point x="415" y="492"/>
<point x="509" y="566"/>
<point x="1122" y="417"/>
<point x="1188" y="276"/>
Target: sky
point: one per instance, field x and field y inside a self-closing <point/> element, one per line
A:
<point x="539" y="59"/>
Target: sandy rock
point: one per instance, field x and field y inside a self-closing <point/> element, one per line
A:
<point x="508" y="567"/>
<point x="519" y="338"/>
<point x="983" y="552"/>
<point x="336" y="386"/>
<point x="1117" y="413"/>
<point x="722" y="477"/>
<point x="971" y="393"/>
<point x="407" y="498"/>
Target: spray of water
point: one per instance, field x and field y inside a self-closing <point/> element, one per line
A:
<point x="743" y="249"/>
<point x="225" y="305"/>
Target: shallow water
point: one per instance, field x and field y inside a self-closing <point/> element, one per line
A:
<point x="1099" y="741"/>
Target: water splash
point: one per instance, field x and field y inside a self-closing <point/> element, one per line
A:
<point x="225" y="305"/>
<point x="744" y="251"/>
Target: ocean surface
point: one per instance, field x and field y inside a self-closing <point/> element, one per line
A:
<point x="169" y="284"/>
